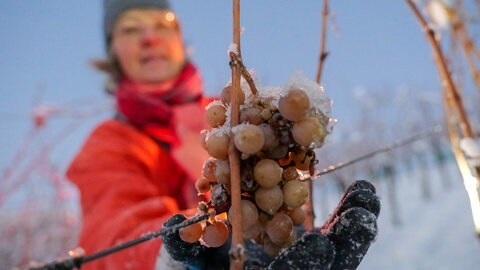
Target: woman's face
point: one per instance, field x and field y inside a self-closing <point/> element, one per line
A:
<point x="148" y="45"/>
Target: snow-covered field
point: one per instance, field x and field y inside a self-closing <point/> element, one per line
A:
<point x="435" y="233"/>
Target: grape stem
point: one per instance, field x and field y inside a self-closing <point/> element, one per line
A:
<point x="236" y="262"/>
<point x="236" y="60"/>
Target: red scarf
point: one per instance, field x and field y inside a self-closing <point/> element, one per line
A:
<point x="152" y="110"/>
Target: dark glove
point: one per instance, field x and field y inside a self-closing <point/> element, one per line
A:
<point x="342" y="242"/>
<point x="194" y="255"/>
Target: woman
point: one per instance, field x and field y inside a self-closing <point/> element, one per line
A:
<point x="133" y="171"/>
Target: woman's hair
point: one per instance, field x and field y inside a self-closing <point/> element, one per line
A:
<point x="111" y="68"/>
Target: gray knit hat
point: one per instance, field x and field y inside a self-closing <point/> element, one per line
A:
<point x="113" y="8"/>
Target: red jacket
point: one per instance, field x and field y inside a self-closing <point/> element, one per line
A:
<point x="130" y="186"/>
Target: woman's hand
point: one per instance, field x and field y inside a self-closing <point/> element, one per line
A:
<point x="341" y="243"/>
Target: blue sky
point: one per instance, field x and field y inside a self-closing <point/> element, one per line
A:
<point x="48" y="45"/>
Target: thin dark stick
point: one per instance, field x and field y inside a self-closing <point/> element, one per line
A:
<point x="435" y="130"/>
<point x="78" y="261"/>
<point x="323" y="40"/>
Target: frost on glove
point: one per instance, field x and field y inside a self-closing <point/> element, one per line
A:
<point x="194" y="255"/>
<point x="343" y="240"/>
<point x="340" y="244"/>
<point x="188" y="253"/>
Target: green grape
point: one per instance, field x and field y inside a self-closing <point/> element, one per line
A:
<point x="215" y="115"/>
<point x="248" y="138"/>
<point x="267" y="173"/>
<point x="191" y="233"/>
<point x="249" y="214"/>
<point x="279" y="228"/>
<point x="294" y="105"/>
<point x="269" y="199"/>
<point x="222" y="172"/>
<point x="250" y="115"/>
<point x="209" y="169"/>
<point x="215" y="234"/>
<point x="271" y="139"/>
<point x="298" y="216"/>
<point x="308" y="131"/>
<point x="202" y="185"/>
<point x="217" y="145"/>
<point x="295" y="193"/>
<point x="226" y="95"/>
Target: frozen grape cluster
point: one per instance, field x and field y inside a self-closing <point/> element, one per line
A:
<point x="278" y="131"/>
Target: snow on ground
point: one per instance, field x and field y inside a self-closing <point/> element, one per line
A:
<point x="434" y="233"/>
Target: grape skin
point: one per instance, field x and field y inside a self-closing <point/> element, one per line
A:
<point x="248" y="138"/>
<point x="215" y="115"/>
<point x="298" y="216"/>
<point x="251" y="115"/>
<point x="273" y="141"/>
<point x="295" y="193"/>
<point x="215" y="234"/>
<point x="202" y="185"/>
<point x="226" y="95"/>
<point x="217" y="145"/>
<point x="279" y="228"/>
<point x="267" y="173"/>
<point x="294" y="105"/>
<point x="269" y="199"/>
<point x="222" y="172"/>
<point x="191" y="233"/>
<point x="209" y="169"/>
<point x="249" y="214"/>
<point x="308" y="131"/>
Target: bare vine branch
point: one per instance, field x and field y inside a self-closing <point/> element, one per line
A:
<point x="453" y="97"/>
<point x="470" y="51"/>
<point x="323" y="40"/>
